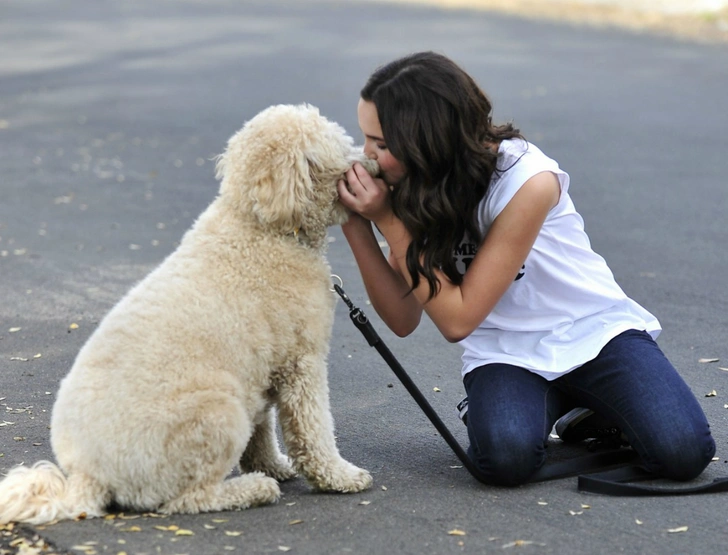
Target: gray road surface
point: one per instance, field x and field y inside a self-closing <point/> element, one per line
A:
<point x="109" y="115"/>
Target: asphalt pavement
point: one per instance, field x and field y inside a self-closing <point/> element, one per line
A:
<point x="110" y="114"/>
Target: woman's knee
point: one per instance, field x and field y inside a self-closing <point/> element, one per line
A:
<point x="681" y="458"/>
<point x="507" y="431"/>
<point x="509" y="462"/>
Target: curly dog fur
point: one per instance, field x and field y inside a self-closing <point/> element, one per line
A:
<point x="182" y="379"/>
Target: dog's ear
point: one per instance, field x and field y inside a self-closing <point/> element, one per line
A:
<point x="281" y="192"/>
<point x="264" y="171"/>
<point x="282" y="168"/>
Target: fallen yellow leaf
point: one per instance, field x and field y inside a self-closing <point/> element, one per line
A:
<point x="87" y="548"/>
<point x="456" y="532"/>
<point x="184" y="532"/>
<point x="679" y="529"/>
<point x="233" y="533"/>
<point x="518" y="543"/>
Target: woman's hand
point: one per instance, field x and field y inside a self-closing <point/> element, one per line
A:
<point x="365" y="195"/>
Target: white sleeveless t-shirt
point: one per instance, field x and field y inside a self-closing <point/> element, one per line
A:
<point x="564" y="306"/>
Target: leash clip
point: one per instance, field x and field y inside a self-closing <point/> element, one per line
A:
<point x="338" y="288"/>
<point x="357" y="316"/>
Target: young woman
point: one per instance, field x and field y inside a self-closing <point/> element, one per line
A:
<point x="484" y="238"/>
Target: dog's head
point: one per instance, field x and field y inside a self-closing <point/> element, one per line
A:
<point x="283" y="167"/>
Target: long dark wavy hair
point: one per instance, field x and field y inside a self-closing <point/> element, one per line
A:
<point x="438" y="123"/>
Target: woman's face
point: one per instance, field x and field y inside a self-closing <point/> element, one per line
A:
<point x="375" y="146"/>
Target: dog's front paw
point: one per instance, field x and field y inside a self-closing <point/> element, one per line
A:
<point x="279" y="468"/>
<point x="344" y="478"/>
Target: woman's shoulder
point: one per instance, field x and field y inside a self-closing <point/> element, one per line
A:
<point x="512" y="151"/>
<point x="518" y="161"/>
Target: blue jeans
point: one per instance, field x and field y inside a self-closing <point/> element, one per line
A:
<point x="511" y="411"/>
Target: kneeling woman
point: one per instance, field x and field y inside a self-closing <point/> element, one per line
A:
<point x="484" y="237"/>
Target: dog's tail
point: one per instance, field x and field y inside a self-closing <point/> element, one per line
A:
<point x="42" y="493"/>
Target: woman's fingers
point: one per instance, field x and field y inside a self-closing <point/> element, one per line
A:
<point x="352" y="177"/>
<point x="362" y="173"/>
<point x="364" y="178"/>
<point x="346" y="197"/>
<point x="363" y="194"/>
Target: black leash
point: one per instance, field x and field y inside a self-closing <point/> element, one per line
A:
<point x="607" y="472"/>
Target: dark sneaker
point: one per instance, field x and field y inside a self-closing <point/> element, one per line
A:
<point x="580" y="424"/>
<point x="462" y="409"/>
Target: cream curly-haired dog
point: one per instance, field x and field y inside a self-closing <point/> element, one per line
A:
<point x="180" y="380"/>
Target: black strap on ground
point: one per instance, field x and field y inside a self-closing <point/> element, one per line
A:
<point x="618" y="482"/>
<point x="602" y="472"/>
